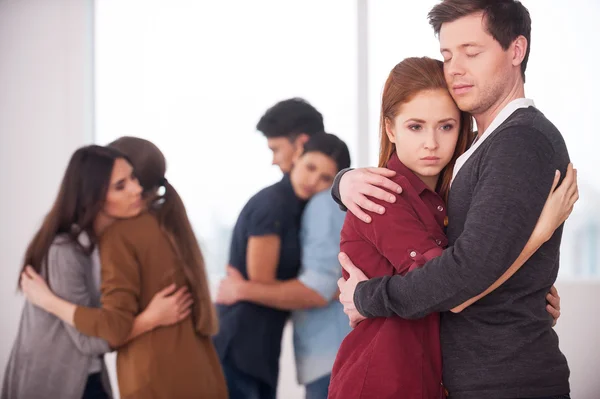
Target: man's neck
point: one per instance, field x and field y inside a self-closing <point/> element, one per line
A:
<point x="484" y="120"/>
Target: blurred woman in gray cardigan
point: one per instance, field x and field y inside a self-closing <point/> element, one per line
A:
<point x="51" y="359"/>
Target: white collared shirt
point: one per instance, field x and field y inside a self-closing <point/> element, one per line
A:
<point x="502" y="116"/>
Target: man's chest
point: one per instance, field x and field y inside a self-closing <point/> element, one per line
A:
<point x="460" y="198"/>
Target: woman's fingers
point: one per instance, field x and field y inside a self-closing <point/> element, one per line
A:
<point x="167" y="290"/>
<point x="555" y="182"/>
<point x="186" y="306"/>
<point x="184" y="315"/>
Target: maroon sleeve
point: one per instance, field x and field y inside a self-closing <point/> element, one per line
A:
<point x="400" y="236"/>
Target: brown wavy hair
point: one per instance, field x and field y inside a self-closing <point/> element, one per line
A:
<point x="80" y="198"/>
<point x="405" y="81"/>
<point x="150" y="166"/>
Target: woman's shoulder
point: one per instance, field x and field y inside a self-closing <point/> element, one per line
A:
<point x="145" y="219"/>
<point x="64" y="254"/>
<point x="400" y="209"/>
<point x="63" y="244"/>
<point x="269" y="200"/>
<point x="143" y="225"/>
<point x="402" y="200"/>
<point x="268" y="194"/>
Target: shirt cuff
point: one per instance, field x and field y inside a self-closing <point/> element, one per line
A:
<point x="421" y="259"/>
<point x="369" y="297"/>
<point x="335" y="188"/>
<point x="322" y="283"/>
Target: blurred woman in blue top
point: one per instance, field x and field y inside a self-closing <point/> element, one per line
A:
<point x="266" y="248"/>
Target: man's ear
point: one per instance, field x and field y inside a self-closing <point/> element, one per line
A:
<point x="298" y="144"/>
<point x="302" y="139"/>
<point x="519" y="49"/>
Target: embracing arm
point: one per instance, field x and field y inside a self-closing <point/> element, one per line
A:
<point x="166" y="308"/>
<point x="121" y="282"/>
<point x="262" y="287"/>
<point x="69" y="280"/>
<point x="262" y="258"/>
<point x="335" y="188"/>
<point x="355" y="189"/>
<point x="284" y="295"/>
<point x="556" y="210"/>
<point x="502" y="215"/>
<point x="89" y="345"/>
<point x="534" y="243"/>
<point x="316" y="285"/>
<point x="67" y="277"/>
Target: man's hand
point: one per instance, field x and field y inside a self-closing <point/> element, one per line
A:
<point x="230" y="288"/>
<point x="347" y="288"/>
<point x="553" y="306"/>
<point x="357" y="184"/>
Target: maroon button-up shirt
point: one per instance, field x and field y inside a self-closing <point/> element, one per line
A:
<point x="393" y="357"/>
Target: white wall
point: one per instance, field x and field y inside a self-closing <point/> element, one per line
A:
<point x="45" y="104"/>
<point x="579" y="332"/>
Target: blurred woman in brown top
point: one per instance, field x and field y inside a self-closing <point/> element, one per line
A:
<point x="141" y="256"/>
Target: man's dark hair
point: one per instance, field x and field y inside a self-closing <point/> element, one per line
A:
<point x="290" y="118"/>
<point x="505" y="20"/>
<point x="330" y="145"/>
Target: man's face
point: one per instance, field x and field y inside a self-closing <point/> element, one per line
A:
<point x="285" y="151"/>
<point x="477" y="69"/>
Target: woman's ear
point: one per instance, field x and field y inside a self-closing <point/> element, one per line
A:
<point x="389" y="130"/>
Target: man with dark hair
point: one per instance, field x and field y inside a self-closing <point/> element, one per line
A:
<point x="287" y="126"/>
<point x="504" y="20"/>
<point x="294" y="127"/>
<point x="503" y="346"/>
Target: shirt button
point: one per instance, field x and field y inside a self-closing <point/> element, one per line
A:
<point x="440" y="208"/>
<point x="438" y="242"/>
<point x="413" y="254"/>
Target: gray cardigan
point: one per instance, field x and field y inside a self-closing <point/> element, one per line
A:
<point x="51" y="359"/>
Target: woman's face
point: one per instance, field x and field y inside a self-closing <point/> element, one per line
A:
<point x="313" y="172"/>
<point x="425" y="132"/>
<point x="124" y="196"/>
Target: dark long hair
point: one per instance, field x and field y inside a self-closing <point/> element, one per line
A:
<point x="80" y="198"/>
<point x="150" y="166"/>
<point x="330" y="145"/>
<point x="406" y="80"/>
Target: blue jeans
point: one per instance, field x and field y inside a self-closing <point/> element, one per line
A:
<point x="244" y="386"/>
<point x="318" y="388"/>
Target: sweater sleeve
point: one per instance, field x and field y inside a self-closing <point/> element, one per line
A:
<point x="399" y="235"/>
<point x="120" y="292"/>
<point x="68" y="279"/>
<point x="514" y="179"/>
<point x="335" y="188"/>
